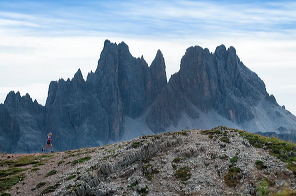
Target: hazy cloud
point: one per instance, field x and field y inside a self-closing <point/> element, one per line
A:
<point x="47" y="40"/>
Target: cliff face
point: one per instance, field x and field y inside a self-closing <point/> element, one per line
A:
<point x="21" y="124"/>
<point x="125" y="98"/>
<point x="218" y="81"/>
<point x="91" y="112"/>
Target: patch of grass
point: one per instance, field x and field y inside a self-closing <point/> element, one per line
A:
<point x="183" y="132"/>
<point x="136" y="144"/>
<point x="286" y="192"/>
<point x="260" y="164"/>
<point x="31" y="160"/>
<point x="143" y="191"/>
<point x="263" y="188"/>
<point x="35" y="169"/>
<point x="233" y="159"/>
<point x="280" y="149"/>
<point x="40" y="184"/>
<point x="52" y="172"/>
<point x="134" y="185"/>
<point x="10" y="177"/>
<point x="223" y="156"/>
<point x="50" y="189"/>
<point x="71" y="177"/>
<point x="10" y="171"/>
<point x="5" y="194"/>
<point x="213" y="155"/>
<point x="61" y="162"/>
<point x="81" y="160"/>
<point x="149" y="170"/>
<point x="233" y="176"/>
<point x="9" y="181"/>
<point x="225" y="139"/>
<point x="151" y="136"/>
<point x="285" y="151"/>
<point x="183" y="173"/>
<point x="177" y="160"/>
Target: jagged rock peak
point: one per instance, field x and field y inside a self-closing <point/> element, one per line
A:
<point x="78" y="76"/>
<point x="109" y="46"/>
<point x="220" y="51"/>
<point x="15" y="100"/>
<point x="13" y="97"/>
<point x="158" y="69"/>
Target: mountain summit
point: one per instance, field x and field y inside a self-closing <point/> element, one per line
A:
<point x="125" y="98"/>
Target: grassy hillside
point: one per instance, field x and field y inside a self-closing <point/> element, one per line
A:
<point x="189" y="162"/>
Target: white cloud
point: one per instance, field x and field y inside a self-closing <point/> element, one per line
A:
<point x="45" y="41"/>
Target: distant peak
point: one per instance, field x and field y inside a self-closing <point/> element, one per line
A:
<point x="107" y="42"/>
<point x="231" y="50"/>
<point x="78" y="76"/>
<point x="159" y="53"/>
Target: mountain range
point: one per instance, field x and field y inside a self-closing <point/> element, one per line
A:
<point x="125" y="98"/>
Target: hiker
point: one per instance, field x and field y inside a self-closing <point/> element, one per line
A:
<point x="49" y="138"/>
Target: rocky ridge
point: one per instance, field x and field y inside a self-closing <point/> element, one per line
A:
<point x="220" y="161"/>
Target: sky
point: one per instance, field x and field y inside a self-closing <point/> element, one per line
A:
<point x="43" y="41"/>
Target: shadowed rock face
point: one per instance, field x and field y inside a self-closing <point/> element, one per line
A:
<point x="21" y="123"/>
<point x="93" y="112"/>
<point x="218" y="81"/>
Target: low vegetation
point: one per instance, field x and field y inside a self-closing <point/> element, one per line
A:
<point x="183" y="173"/>
<point x="81" y="160"/>
<point x="176" y="160"/>
<point x="52" y="172"/>
<point x="260" y="164"/>
<point x="280" y="149"/>
<point x="50" y="189"/>
<point x="16" y="167"/>
<point x="233" y="176"/>
<point x="136" y="144"/>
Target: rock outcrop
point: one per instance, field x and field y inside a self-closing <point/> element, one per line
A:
<point x="125" y="98"/>
<point x="220" y="161"/>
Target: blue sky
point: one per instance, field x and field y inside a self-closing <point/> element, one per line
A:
<point x="41" y="41"/>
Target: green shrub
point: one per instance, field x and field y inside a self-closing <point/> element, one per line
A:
<point x="177" y="160"/>
<point x="143" y="191"/>
<point x="225" y="139"/>
<point x="136" y="144"/>
<point x="260" y="164"/>
<point x="174" y="166"/>
<point x="183" y="173"/>
<point x="61" y="162"/>
<point x="263" y="188"/>
<point x="40" y="184"/>
<point x="81" y="160"/>
<point x="52" y="172"/>
<point x="233" y="159"/>
<point x="233" y="176"/>
<point x="71" y="177"/>
<point x="50" y="189"/>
